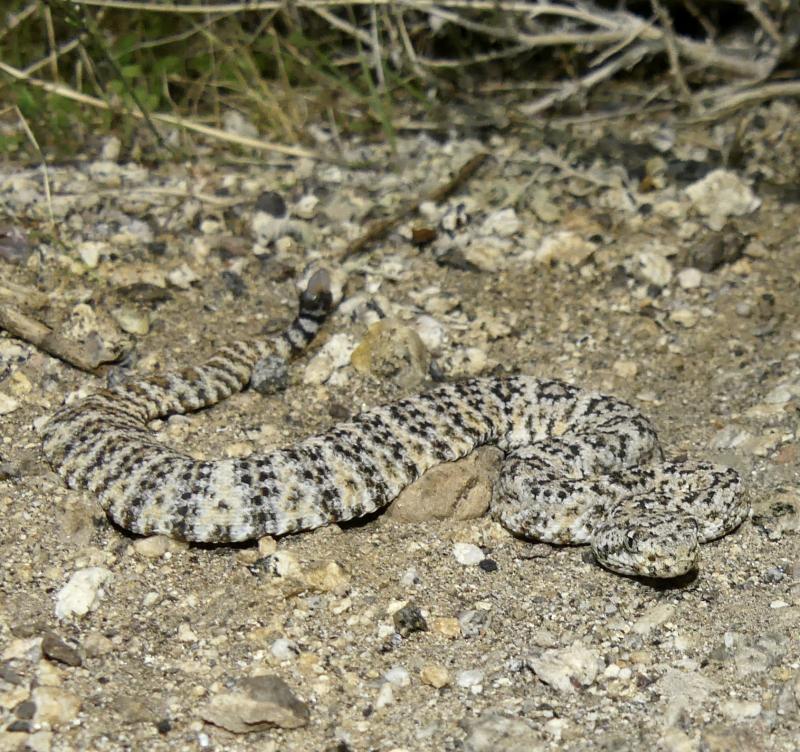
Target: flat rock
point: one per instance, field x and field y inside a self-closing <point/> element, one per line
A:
<point x="458" y="490"/>
<point x="258" y="703"/>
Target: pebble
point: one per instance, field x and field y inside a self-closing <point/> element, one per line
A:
<point x="503" y="223"/>
<point x="90" y="252"/>
<point x="155" y="546"/>
<point x="409" y="619"/>
<point x="284" y="649"/>
<point x="690" y="278"/>
<point x="721" y="194"/>
<point x="55" y="706"/>
<point x="497" y="732"/>
<point x="685" y="317"/>
<point x="469" y="678"/>
<point x="183" y="277"/>
<point x="458" y="490"/>
<point x="385" y="696"/>
<point x="566" y="247"/>
<point x="333" y="355"/>
<point x="392" y="350"/>
<point x="653" y="618"/>
<point x="431" y="332"/>
<point x="257" y="703"/>
<point x="82" y="593"/>
<point x="468" y="554"/>
<point x="567" y="668"/>
<point x="397" y="676"/>
<point x="55" y="649"/>
<point x="7" y="404"/>
<point x="625" y="369"/>
<point x="327" y="577"/>
<point x="447" y="626"/>
<point x="435" y="675"/>
<point x="652" y="267"/>
<point x="740" y="710"/>
<point x="270" y="375"/>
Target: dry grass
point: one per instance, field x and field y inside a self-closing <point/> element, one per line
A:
<point x="79" y="67"/>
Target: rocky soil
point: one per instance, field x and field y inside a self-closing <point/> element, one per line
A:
<point x="651" y="260"/>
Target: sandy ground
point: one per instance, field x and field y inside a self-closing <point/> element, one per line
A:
<point x="568" y="267"/>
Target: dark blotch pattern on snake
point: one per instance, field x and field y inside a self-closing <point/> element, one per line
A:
<point x="581" y="467"/>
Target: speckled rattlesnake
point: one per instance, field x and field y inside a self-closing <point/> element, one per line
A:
<point x="581" y="467"/>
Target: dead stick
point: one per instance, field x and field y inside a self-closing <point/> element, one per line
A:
<point x="19" y="325"/>
<point x="379" y="228"/>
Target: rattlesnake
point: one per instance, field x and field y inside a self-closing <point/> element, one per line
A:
<point x="581" y="467"/>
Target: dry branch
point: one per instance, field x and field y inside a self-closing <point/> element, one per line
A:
<point x="22" y="326"/>
<point x="379" y="228"/>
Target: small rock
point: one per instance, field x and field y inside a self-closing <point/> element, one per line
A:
<point x="7" y="404"/>
<point x="306" y="207"/>
<point x="97" y="644"/>
<point x="55" y="649"/>
<point x="391" y="350"/>
<point x="625" y="369"/>
<point x="469" y="678"/>
<point x="503" y="223"/>
<point x="270" y="375"/>
<point x="468" y="554"/>
<point x="258" y="703"/>
<point x="82" y="593"/>
<point x="566" y="247"/>
<point x="447" y="626"/>
<point x="284" y="649"/>
<point x="333" y="355"/>
<point x="409" y="619"/>
<point x="328" y="577"/>
<point x="90" y="252"/>
<point x="55" y="706"/>
<point x="740" y="710"/>
<point x="131" y="320"/>
<point x="271" y="203"/>
<point x="397" y="676"/>
<point x="183" y="277"/>
<point x="716" y="249"/>
<point x="435" y="675"/>
<point x="685" y="317"/>
<point x="431" y="332"/>
<point x="496" y="732"/>
<point x="385" y="696"/>
<point x="653" y="267"/>
<point x="722" y="194"/>
<point x="458" y="490"/>
<point x="652" y="618"/>
<point x="155" y="546"/>
<point x="565" y="669"/>
<point x="465" y="362"/>
<point x="690" y="278"/>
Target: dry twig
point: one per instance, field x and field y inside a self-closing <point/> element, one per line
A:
<point x="22" y="326"/>
<point x="379" y="228"/>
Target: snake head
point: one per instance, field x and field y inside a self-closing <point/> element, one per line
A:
<point x="654" y="544"/>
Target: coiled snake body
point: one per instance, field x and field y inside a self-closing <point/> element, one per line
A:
<point x="581" y="467"/>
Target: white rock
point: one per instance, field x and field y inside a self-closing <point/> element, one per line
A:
<point x="90" y="252"/>
<point x="306" y="206"/>
<point x="284" y="649"/>
<point x="685" y="317"/>
<point x="234" y="122"/>
<point x="397" y="676"/>
<point x="653" y="617"/>
<point x="82" y="593"/>
<point x="503" y="223"/>
<point x="385" y="696"/>
<point x="469" y="678"/>
<point x="431" y="332"/>
<point x="55" y="706"/>
<point x="183" y="277"/>
<point x="468" y="554"/>
<point x="333" y="355"/>
<point x="690" y="278"/>
<point x="563" y="668"/>
<point x="739" y="710"/>
<point x="653" y="267"/>
<point x="722" y="194"/>
<point x="7" y="404"/>
<point x="565" y="246"/>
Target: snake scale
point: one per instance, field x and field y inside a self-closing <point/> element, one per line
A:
<point x="580" y="467"/>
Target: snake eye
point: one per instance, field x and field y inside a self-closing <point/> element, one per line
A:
<point x="631" y="541"/>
